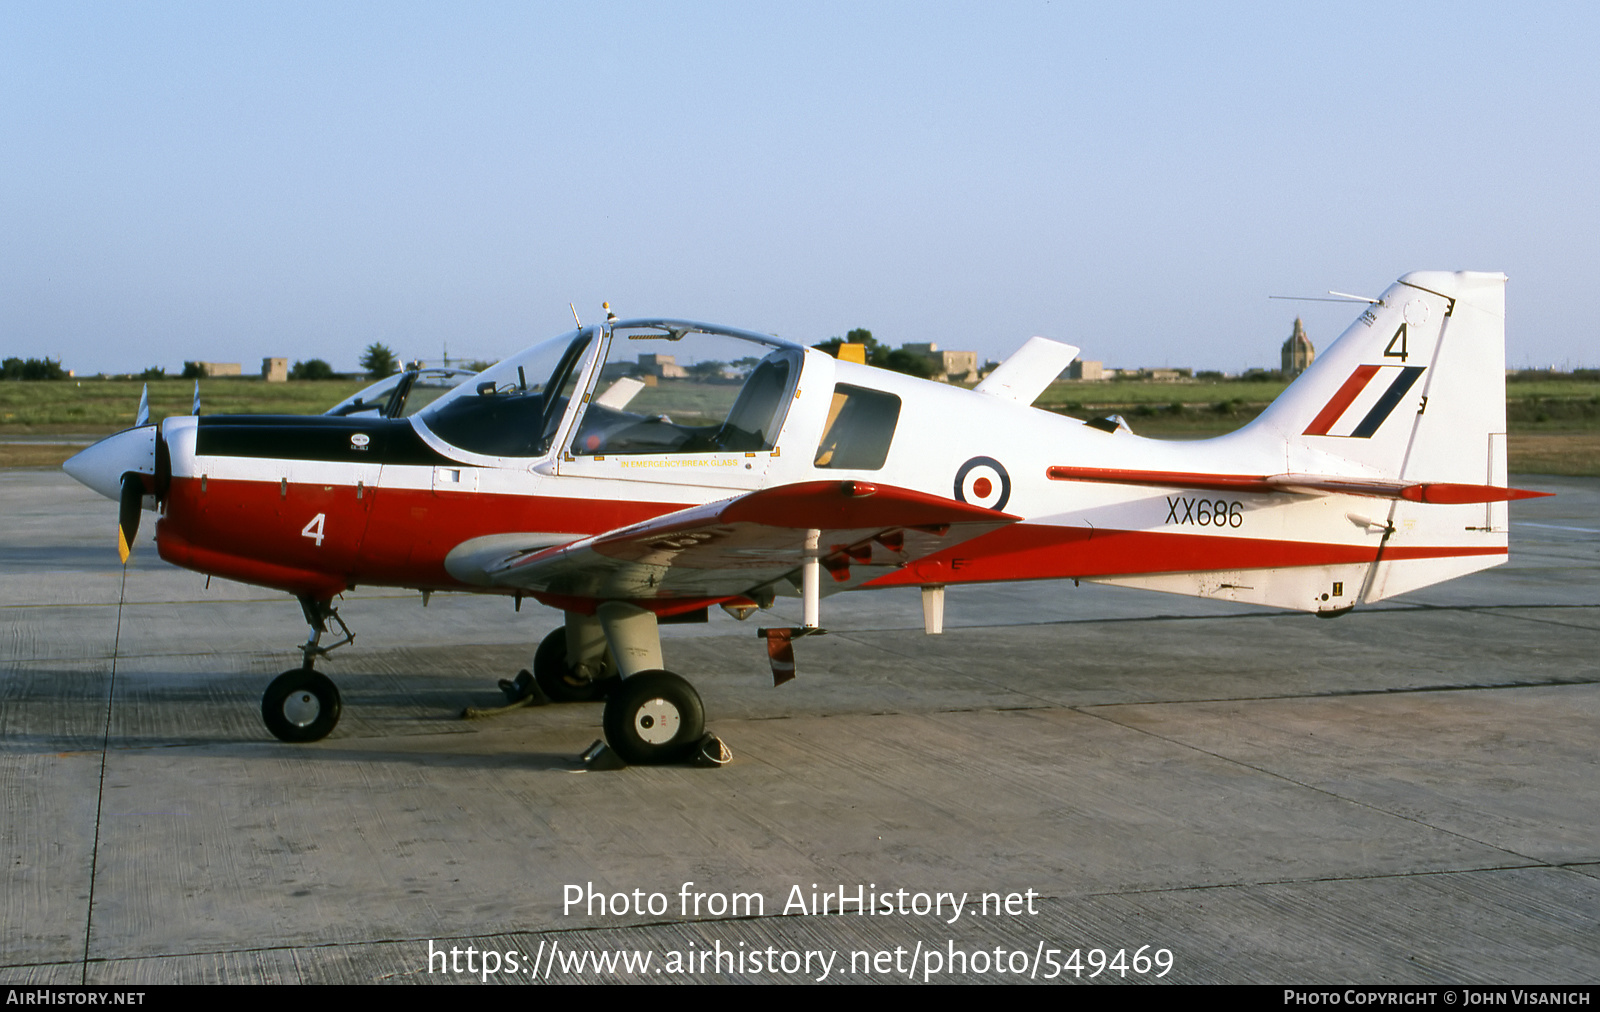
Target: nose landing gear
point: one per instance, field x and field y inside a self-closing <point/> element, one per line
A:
<point x="302" y="704"/>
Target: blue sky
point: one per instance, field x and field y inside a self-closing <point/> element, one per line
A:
<point x="230" y="181"/>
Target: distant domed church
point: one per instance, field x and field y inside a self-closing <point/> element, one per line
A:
<point x="1297" y="352"/>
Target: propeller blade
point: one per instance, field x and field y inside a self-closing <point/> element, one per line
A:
<point x="128" y="510"/>
<point x="163" y="475"/>
<point x="144" y="407"/>
<point x="196" y="410"/>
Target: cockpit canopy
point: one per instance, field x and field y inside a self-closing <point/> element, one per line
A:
<point x="663" y="386"/>
<point x="671" y="387"/>
<point x="401" y="395"/>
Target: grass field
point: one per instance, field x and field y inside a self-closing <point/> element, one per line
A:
<point x="1554" y="423"/>
<point x="1569" y="453"/>
<point x="97" y="406"/>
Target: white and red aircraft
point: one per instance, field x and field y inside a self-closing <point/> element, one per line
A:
<point x="643" y="470"/>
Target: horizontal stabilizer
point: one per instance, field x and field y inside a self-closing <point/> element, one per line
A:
<point x="1302" y="484"/>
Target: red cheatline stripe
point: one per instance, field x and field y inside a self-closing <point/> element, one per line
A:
<point x="1333" y="409"/>
<point x="1040" y="551"/>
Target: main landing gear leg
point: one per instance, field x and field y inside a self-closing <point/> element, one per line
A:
<point x="302" y="704"/>
<point x="654" y="716"/>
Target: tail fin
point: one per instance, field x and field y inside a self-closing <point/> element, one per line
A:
<point x="1414" y="391"/>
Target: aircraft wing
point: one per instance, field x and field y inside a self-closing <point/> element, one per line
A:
<point x="737" y="546"/>
<point x="1301" y="484"/>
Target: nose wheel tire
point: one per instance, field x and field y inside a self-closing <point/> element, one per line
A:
<point x="654" y="717"/>
<point x="300" y="705"/>
<point x="561" y="683"/>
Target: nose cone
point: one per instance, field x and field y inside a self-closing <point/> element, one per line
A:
<point x="102" y="465"/>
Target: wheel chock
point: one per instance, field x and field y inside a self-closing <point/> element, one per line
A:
<point x="711" y="752"/>
<point x="599" y="757"/>
<point x="524" y="691"/>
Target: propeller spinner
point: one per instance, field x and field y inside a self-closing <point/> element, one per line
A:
<point x="117" y="467"/>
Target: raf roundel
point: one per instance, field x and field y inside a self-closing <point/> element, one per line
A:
<point x="983" y="481"/>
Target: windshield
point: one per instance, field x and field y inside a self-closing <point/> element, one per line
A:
<point x="514" y="408"/>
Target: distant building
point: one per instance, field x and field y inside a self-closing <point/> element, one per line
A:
<point x="662" y="366"/>
<point x="213" y="369"/>
<point x="1298" y="354"/>
<point x="946" y="366"/>
<point x="651" y="368"/>
<point x="273" y="370"/>
<point x="1092" y="370"/>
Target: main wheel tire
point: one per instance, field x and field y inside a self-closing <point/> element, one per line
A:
<point x="301" y="705"/>
<point x="560" y="682"/>
<point x="654" y="717"/>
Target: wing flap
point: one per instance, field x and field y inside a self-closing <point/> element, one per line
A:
<point x="734" y="546"/>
